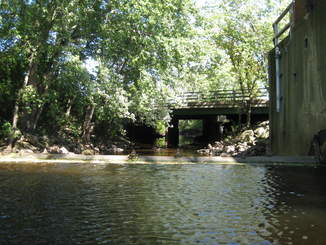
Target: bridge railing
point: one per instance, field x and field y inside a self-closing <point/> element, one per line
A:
<point x="221" y="97"/>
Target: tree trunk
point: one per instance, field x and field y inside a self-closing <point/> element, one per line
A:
<point x="37" y="117"/>
<point x="67" y="114"/>
<point x="16" y="108"/>
<point x="249" y="115"/>
<point x="70" y="102"/>
<point x="15" y="113"/>
<point x="37" y="114"/>
<point x="87" y="127"/>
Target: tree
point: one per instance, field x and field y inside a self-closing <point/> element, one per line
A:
<point x="44" y="31"/>
<point x="244" y="34"/>
<point x="131" y="40"/>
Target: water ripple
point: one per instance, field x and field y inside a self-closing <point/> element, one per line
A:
<point x="166" y="204"/>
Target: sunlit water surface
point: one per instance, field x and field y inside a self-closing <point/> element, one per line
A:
<point x="162" y="204"/>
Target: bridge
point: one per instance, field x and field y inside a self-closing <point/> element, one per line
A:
<point x="213" y="108"/>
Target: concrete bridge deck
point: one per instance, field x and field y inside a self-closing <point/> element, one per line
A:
<point x="207" y="106"/>
<point x="201" y="113"/>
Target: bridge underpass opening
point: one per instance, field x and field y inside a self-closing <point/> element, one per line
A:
<point x="204" y="130"/>
<point x="190" y="132"/>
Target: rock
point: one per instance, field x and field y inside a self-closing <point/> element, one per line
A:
<point x="133" y="155"/>
<point x="217" y="148"/>
<point x="242" y="147"/>
<point x="247" y="136"/>
<point x="318" y="146"/>
<point x="54" y="149"/>
<point x="119" y="150"/>
<point x="63" y="150"/>
<point x="225" y="155"/>
<point x="257" y="150"/>
<point x="203" y="151"/>
<point x="45" y="151"/>
<point x="247" y="143"/>
<point x="262" y="132"/>
<point x="88" y="152"/>
<point x="115" y="149"/>
<point x="22" y="151"/>
<point x="216" y="151"/>
<point x="322" y="157"/>
<point x="229" y="149"/>
<point x="219" y="145"/>
<point x="263" y="124"/>
<point x="78" y="149"/>
<point x="229" y="140"/>
<point x="32" y="139"/>
<point x="178" y="153"/>
<point x="22" y="144"/>
<point x="6" y="149"/>
<point x="259" y="131"/>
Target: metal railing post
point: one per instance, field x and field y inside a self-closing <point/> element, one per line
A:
<point x="277" y="35"/>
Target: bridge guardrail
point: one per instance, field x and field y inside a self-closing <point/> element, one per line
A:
<point x="220" y="97"/>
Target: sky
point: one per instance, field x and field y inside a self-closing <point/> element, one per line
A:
<point x="201" y="3"/>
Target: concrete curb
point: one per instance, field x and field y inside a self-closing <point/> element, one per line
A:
<point x="123" y="159"/>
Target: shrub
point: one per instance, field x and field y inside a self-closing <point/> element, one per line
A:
<point x="5" y="130"/>
<point x="160" y="143"/>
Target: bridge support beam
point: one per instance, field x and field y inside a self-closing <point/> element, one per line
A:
<point x="173" y="134"/>
<point x="211" y="129"/>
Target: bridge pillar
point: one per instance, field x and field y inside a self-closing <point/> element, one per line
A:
<point x="173" y="134"/>
<point x="211" y="129"/>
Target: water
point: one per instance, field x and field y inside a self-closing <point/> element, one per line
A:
<point x="185" y="152"/>
<point x="162" y="204"/>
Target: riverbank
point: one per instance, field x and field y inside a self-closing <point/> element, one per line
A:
<point x="125" y="159"/>
<point x="243" y="142"/>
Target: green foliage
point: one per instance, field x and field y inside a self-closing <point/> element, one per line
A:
<point x="143" y="54"/>
<point x="131" y="41"/>
<point x="189" y="130"/>
<point x="30" y="98"/>
<point x="244" y="35"/>
<point x="6" y="130"/>
<point x="70" y="128"/>
<point x="195" y="125"/>
<point x="161" y="127"/>
<point x="160" y="143"/>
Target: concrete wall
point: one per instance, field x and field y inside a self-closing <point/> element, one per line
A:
<point x="303" y="81"/>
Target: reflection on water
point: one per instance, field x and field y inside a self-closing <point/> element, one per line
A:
<point x="184" y="152"/>
<point x="162" y="204"/>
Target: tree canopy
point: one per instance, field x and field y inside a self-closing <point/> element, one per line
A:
<point x="90" y="66"/>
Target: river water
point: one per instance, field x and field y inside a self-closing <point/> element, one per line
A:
<point x="162" y="204"/>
